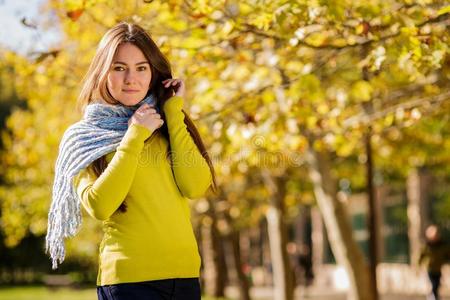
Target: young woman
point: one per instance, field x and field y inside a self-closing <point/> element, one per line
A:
<point x="131" y="162"/>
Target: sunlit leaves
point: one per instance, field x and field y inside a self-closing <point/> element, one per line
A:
<point x="444" y="10"/>
<point x="361" y="91"/>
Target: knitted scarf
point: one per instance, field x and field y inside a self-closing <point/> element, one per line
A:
<point x="98" y="133"/>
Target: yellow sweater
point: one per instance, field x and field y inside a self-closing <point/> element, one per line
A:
<point x="153" y="239"/>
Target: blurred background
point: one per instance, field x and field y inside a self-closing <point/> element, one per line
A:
<point x="327" y="121"/>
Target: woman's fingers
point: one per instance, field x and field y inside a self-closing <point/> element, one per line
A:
<point x="172" y="81"/>
<point x="145" y="108"/>
<point x="142" y="108"/>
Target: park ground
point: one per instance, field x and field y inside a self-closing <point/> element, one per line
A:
<point x="260" y="293"/>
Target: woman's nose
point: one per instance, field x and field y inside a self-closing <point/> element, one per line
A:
<point x="129" y="77"/>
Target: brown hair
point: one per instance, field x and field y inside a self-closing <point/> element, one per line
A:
<point x="95" y="87"/>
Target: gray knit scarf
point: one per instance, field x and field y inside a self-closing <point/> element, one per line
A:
<point x="97" y="134"/>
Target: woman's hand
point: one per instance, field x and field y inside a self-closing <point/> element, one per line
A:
<point x="176" y="84"/>
<point x="146" y="116"/>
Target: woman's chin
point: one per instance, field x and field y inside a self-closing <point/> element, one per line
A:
<point x="130" y="101"/>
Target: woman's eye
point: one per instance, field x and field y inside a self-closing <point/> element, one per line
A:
<point x="142" y="68"/>
<point x="118" y="68"/>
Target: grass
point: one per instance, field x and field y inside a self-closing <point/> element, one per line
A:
<point x="44" y="293"/>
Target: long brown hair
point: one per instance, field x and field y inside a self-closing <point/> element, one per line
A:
<point x="95" y="87"/>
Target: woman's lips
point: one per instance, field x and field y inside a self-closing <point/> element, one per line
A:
<point x="130" y="91"/>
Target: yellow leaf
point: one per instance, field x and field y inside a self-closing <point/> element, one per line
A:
<point x="444" y="10"/>
<point x="361" y="91"/>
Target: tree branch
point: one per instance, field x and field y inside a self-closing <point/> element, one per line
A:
<point x="365" y="119"/>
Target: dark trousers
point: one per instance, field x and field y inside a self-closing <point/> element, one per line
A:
<point x="166" y="289"/>
<point x="435" y="279"/>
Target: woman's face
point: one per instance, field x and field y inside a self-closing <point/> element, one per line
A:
<point x="130" y="75"/>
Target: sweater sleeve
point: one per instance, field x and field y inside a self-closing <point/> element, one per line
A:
<point x="190" y="169"/>
<point x="101" y="196"/>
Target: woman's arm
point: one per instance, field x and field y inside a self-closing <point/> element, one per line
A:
<point x="103" y="195"/>
<point x="190" y="169"/>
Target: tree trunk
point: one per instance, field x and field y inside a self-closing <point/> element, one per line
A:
<point x="318" y="239"/>
<point x="303" y="255"/>
<point x="242" y="279"/>
<point x="213" y="257"/>
<point x="372" y="214"/>
<point x="418" y="211"/>
<point x="339" y="229"/>
<point x="277" y="229"/>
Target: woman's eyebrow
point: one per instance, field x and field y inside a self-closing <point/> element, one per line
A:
<point x="139" y="63"/>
